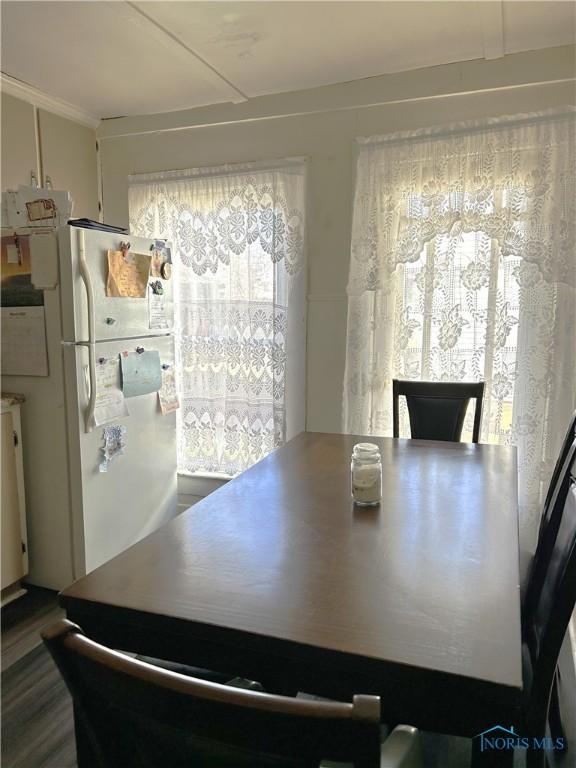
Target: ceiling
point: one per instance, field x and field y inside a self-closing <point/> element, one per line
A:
<point x="130" y="58"/>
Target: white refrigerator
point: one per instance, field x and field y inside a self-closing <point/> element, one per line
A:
<point x="79" y="516"/>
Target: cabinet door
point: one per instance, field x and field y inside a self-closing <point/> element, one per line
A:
<point x="19" y="156"/>
<point x="12" y="563"/>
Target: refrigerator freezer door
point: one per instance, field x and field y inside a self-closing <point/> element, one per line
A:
<point x="113" y="510"/>
<point x="114" y="317"/>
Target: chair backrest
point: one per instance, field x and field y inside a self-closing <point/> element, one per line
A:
<point x="566" y="445"/>
<point x="437" y="408"/>
<point x="547" y="615"/>
<point x="135" y="714"/>
<point x="553" y="512"/>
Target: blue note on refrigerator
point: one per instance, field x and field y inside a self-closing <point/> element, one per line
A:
<point x="141" y="373"/>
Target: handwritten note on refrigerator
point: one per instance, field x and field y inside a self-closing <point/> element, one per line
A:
<point x="110" y="403"/>
<point x="157" y="311"/>
<point x="127" y="275"/>
<point x="167" y="395"/>
<point x="141" y="373"/>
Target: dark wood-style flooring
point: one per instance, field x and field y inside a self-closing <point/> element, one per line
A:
<point x="24" y="619"/>
<point x="37" y="723"/>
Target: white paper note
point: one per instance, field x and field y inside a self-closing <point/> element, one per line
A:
<point x="110" y="402"/>
<point x="156" y="310"/>
<point x="12" y="254"/>
<point x="167" y="394"/>
<point x="24" y="342"/>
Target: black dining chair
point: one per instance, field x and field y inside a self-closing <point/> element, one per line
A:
<point x="552" y="515"/>
<point x="551" y="502"/>
<point x="550" y="523"/>
<point x="130" y="714"/>
<point x="436" y="409"/>
<point x="546" y="611"/>
<point x="548" y="606"/>
<point x="565" y="448"/>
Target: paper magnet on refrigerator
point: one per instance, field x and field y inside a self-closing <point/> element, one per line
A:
<point x="114" y="444"/>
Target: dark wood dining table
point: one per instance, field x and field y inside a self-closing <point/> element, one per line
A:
<point x="278" y="577"/>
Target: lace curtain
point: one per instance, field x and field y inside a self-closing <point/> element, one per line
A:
<point x="237" y="235"/>
<point x="463" y="268"/>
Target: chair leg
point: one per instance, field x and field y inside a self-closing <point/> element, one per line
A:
<point x="554" y="713"/>
<point x="536" y="758"/>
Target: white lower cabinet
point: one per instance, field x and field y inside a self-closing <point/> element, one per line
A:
<point x="13" y="535"/>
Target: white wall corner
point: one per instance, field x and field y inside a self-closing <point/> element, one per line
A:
<point x="37" y="98"/>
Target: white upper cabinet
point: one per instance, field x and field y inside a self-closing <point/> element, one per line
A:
<point x="50" y="145"/>
<point x="19" y="156"/>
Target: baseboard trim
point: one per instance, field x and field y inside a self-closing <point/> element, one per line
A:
<point x="12" y="593"/>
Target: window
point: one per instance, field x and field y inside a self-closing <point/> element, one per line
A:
<point x="238" y="236"/>
<point x="461" y="303"/>
<point x="462" y="268"/>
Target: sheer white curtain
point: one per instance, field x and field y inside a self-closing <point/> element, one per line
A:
<point x="463" y="268"/>
<point x="238" y="241"/>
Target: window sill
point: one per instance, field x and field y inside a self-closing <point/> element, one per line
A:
<point x="197" y="485"/>
<point x="209" y="475"/>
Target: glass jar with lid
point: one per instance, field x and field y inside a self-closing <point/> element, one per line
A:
<point x="366" y="475"/>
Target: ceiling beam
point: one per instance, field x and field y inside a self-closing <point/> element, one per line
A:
<point x="530" y="69"/>
<point x="492" y="21"/>
<point x="140" y="15"/>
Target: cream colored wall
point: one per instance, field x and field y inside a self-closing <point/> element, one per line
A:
<point x="69" y="158"/>
<point x="323" y="130"/>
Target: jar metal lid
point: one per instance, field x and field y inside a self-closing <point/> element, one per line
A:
<point x="365" y="449"/>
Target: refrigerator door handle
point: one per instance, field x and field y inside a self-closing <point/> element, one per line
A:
<point x="87" y="279"/>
